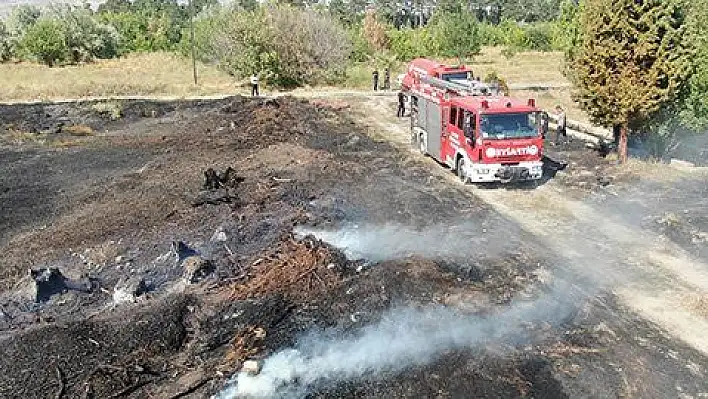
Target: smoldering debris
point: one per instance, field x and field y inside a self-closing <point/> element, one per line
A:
<point x="404" y="337"/>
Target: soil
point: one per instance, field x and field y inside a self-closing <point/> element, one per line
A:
<point x="104" y="202"/>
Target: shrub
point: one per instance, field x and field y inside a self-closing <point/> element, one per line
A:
<point x="538" y="37"/>
<point x="22" y="18"/>
<point x="309" y="45"/>
<point x="7" y="44"/>
<point x="491" y="35"/>
<point x="46" y="41"/>
<point x="457" y="34"/>
<point x="375" y="32"/>
<point x="86" y="37"/>
<point x="361" y="49"/>
<point x="407" y="44"/>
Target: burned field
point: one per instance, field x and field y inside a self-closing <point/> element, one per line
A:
<point x="171" y="243"/>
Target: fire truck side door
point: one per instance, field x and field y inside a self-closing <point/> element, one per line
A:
<point x="454" y="136"/>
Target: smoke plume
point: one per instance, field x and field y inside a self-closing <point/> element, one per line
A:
<point x="392" y="241"/>
<point x="404" y="337"/>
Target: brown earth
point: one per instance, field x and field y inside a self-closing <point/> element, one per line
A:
<point x="107" y="205"/>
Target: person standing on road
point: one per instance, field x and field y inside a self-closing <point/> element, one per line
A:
<point x="376" y="79"/>
<point x="254" y="85"/>
<point x="562" y="124"/>
<point x="544" y="125"/>
<point x="401" y="105"/>
<point x="387" y="79"/>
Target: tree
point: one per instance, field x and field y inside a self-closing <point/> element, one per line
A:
<point x="457" y="33"/>
<point x="46" y="41"/>
<point x="566" y="28"/>
<point x="7" y="46"/>
<point x="86" y="37"/>
<point x="632" y="62"/>
<point x="529" y="10"/>
<point x="375" y="31"/>
<point x="310" y="46"/>
<point x="693" y="111"/>
<point x="22" y="18"/>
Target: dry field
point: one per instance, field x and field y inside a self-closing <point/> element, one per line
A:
<point x="164" y="74"/>
<point x="151" y="74"/>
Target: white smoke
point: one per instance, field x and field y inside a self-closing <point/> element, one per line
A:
<point x="403" y="337"/>
<point x="407" y="337"/>
<point x="392" y="241"/>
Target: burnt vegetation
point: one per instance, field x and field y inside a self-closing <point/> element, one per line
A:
<point x="124" y="195"/>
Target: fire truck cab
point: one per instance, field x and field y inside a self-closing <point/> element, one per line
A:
<point x="425" y="67"/>
<point x="482" y="138"/>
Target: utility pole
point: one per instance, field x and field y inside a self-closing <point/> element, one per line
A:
<point x="191" y="30"/>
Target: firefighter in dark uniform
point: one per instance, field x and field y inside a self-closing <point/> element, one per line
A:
<point x="401" y="105"/>
<point x="375" y="76"/>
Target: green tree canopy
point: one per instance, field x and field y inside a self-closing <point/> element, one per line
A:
<point x="457" y="33"/>
<point x="694" y="108"/>
<point x="632" y="62"/>
<point x="46" y="41"/>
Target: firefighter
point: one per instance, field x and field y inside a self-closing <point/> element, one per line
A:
<point x="544" y="125"/>
<point x="469" y="125"/>
<point x="387" y="79"/>
<point x="562" y="124"/>
<point x="254" y="85"/>
<point x="401" y="105"/>
<point x="375" y="76"/>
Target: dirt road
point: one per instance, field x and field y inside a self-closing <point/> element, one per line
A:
<point x="652" y="275"/>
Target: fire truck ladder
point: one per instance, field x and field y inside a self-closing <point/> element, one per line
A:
<point x="476" y="89"/>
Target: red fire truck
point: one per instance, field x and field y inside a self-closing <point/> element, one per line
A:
<point x="484" y="138"/>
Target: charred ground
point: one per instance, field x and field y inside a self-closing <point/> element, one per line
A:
<point x="100" y="192"/>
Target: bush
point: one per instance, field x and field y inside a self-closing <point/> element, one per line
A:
<point x="375" y="32"/>
<point x="457" y="34"/>
<point x="361" y="49"/>
<point x="407" y="44"/>
<point x="46" y="41"/>
<point x="287" y="45"/>
<point x="538" y="37"/>
<point x="7" y="44"/>
<point x="309" y="45"/>
<point x="86" y="37"/>
<point x="491" y="35"/>
<point x="21" y="19"/>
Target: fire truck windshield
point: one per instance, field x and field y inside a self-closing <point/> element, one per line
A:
<point x="455" y="76"/>
<point x="508" y="126"/>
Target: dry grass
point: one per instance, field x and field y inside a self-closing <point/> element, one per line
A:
<point x="655" y="171"/>
<point x="697" y="303"/>
<point x="79" y="130"/>
<point x="138" y="74"/>
<point x="165" y="74"/>
<point x="531" y="67"/>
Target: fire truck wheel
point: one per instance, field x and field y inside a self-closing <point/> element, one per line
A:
<point x="461" y="171"/>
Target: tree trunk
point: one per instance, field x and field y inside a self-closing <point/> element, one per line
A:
<point x="623" y="144"/>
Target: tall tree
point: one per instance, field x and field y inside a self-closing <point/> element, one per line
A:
<point x="693" y="110"/>
<point x="632" y="62"/>
<point x="457" y="31"/>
